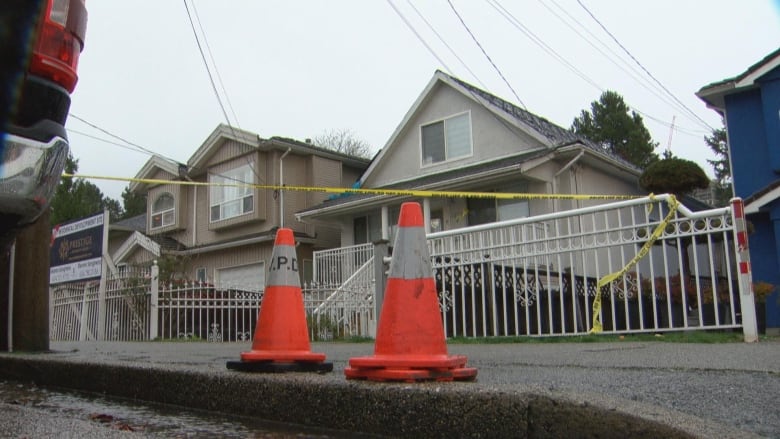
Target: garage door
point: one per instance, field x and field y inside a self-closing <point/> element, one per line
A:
<point x="249" y="277"/>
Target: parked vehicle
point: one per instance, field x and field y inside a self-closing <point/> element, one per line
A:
<point x="35" y="145"/>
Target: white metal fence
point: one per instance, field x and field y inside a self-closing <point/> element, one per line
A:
<point x="539" y="276"/>
<point x="121" y="311"/>
<point x="536" y="276"/>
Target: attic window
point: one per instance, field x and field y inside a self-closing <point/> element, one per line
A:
<point x="446" y="139"/>
<point x="163" y="211"/>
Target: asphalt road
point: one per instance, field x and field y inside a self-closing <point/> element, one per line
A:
<point x="704" y="390"/>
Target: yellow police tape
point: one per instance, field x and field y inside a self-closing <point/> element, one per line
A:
<point x="341" y="190"/>
<point x="659" y="230"/>
<point x="597" y="326"/>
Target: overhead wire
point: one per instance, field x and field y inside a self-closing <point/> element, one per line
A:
<point x="558" y="57"/>
<point x="477" y="98"/>
<point x="419" y="37"/>
<point x="213" y="84"/>
<point x="484" y="52"/>
<point x="206" y="64"/>
<point x="604" y="28"/>
<point x="630" y="71"/>
<point x="127" y="142"/>
<point x="443" y="41"/>
<point x="214" y="63"/>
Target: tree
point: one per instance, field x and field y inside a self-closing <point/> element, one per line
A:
<point x="134" y="203"/>
<point x="618" y="130"/>
<point x="673" y="175"/>
<point x="343" y="141"/>
<point x="718" y="143"/>
<point x="78" y="198"/>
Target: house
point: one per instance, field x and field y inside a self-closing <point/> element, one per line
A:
<point x="750" y="105"/>
<point x="206" y="225"/>
<point x="457" y="137"/>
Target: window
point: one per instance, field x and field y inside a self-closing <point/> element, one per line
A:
<point x="447" y="139"/>
<point x="513" y="209"/>
<point x="163" y="211"/>
<point x="488" y="210"/>
<point x="233" y="199"/>
<point x="200" y="275"/>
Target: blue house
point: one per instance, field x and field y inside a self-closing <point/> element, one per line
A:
<point x="750" y="104"/>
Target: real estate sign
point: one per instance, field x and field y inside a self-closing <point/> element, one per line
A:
<point x="77" y="250"/>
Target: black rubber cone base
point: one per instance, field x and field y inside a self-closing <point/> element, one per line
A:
<point x="276" y="367"/>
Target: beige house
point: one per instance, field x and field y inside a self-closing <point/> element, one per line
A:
<point x="222" y="232"/>
<point x="456" y="137"/>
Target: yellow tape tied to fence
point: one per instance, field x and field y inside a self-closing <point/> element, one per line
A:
<point x="606" y="280"/>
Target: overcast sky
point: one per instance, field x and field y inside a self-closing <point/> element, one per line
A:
<point x="299" y="68"/>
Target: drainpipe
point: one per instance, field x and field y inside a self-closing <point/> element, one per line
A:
<point x="561" y="171"/>
<point x="281" y="184"/>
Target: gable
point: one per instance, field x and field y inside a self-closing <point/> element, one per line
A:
<point x="491" y="138"/>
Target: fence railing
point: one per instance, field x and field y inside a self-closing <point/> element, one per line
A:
<point x="539" y="276"/>
<point x="193" y="310"/>
<point x="536" y="276"/>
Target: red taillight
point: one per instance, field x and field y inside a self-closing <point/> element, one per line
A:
<point x="59" y="42"/>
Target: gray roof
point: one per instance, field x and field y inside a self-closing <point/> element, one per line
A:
<point x="135" y="223"/>
<point x="557" y="135"/>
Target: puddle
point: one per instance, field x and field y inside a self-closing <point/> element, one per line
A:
<point x="153" y="420"/>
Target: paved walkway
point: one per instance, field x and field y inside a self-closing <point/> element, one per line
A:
<point x="622" y="389"/>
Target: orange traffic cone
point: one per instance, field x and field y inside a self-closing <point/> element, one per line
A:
<point x="281" y="342"/>
<point x="410" y="344"/>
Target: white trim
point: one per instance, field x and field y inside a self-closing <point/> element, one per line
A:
<point x="137" y="239"/>
<point x="756" y="205"/>
<point x="147" y="170"/>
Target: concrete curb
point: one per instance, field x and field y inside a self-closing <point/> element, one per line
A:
<point x="408" y="410"/>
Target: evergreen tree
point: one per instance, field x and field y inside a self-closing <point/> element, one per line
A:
<point x="77" y="198"/>
<point x="620" y="131"/>
<point x="721" y="166"/>
<point x="134" y="203"/>
<point x="673" y="175"/>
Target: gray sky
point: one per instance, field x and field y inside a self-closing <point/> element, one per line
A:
<point x="299" y="68"/>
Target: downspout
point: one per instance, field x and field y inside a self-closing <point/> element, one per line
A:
<point x="561" y="171"/>
<point x="281" y="185"/>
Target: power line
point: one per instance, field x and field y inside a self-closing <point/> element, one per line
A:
<point x="486" y="55"/>
<point x="214" y="63"/>
<point x="419" y="37"/>
<point x="127" y="142"/>
<point x="691" y="112"/>
<point x="454" y="53"/>
<point x="626" y="67"/>
<point x="206" y="64"/>
<point x="558" y="57"/>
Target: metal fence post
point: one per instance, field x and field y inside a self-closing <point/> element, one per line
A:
<point x="381" y="252"/>
<point x="154" y="298"/>
<point x="746" y="300"/>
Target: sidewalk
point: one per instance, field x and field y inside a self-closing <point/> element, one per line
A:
<point x="625" y="389"/>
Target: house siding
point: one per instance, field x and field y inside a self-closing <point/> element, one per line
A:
<point x="491" y="139"/>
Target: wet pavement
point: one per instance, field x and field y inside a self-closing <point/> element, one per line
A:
<point x="620" y="389"/>
<point x="27" y="410"/>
